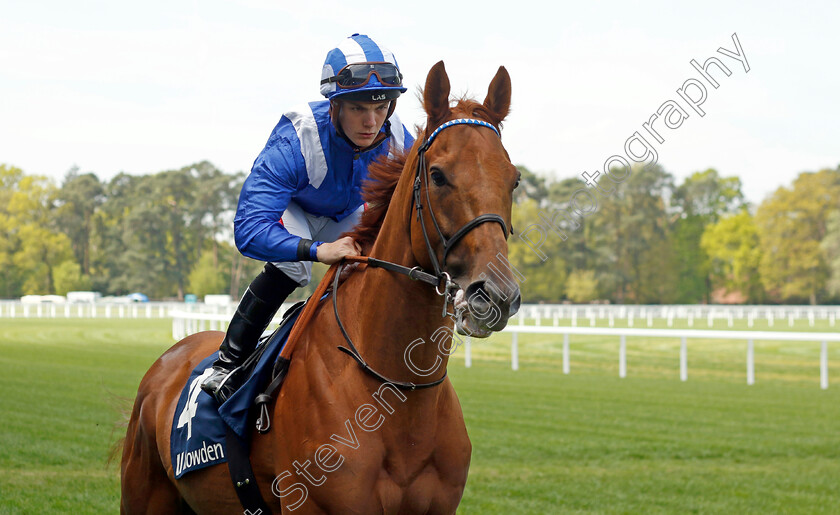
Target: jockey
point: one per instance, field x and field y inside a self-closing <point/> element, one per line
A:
<point x="304" y="190"/>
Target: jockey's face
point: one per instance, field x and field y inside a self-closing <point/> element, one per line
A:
<point x="361" y="121"/>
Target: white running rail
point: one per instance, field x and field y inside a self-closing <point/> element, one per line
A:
<point x="185" y="323"/>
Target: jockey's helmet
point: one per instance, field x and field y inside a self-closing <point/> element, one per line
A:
<point x="361" y="70"/>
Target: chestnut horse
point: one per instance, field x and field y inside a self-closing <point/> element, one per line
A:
<point x="342" y="440"/>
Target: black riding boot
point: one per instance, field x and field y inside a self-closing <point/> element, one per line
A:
<point x="256" y="309"/>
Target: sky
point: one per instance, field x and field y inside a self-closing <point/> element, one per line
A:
<point x="142" y="87"/>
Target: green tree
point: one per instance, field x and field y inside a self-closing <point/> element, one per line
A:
<point x="157" y="235"/>
<point x="691" y="260"/>
<point x="582" y="286"/>
<point x="109" y="238"/>
<point x="42" y="252"/>
<point x="80" y="197"/>
<point x="791" y="224"/>
<point x="566" y="195"/>
<point x="702" y="199"/>
<point x="544" y="278"/>
<point x="206" y="278"/>
<point x="214" y="204"/>
<point x="151" y="231"/>
<point x="831" y="247"/>
<point x="176" y="191"/>
<point x="630" y="237"/>
<point x="11" y="281"/>
<point x="37" y="246"/>
<point x="68" y="277"/>
<point x="708" y="195"/>
<point x="732" y="245"/>
<point x="531" y="186"/>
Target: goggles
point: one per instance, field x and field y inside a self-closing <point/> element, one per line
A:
<point x="358" y="74"/>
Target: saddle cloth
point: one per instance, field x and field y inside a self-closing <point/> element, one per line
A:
<point x="198" y="432"/>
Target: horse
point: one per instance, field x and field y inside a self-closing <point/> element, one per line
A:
<point x="345" y="438"/>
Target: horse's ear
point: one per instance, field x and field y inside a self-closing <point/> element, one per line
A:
<point x="436" y="94"/>
<point x="498" y="95"/>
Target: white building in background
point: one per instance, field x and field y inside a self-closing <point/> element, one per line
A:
<point x="217" y="300"/>
<point x="42" y="299"/>
<point x="83" y="296"/>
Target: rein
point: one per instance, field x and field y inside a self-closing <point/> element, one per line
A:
<point x="281" y="366"/>
<point x="354" y="352"/>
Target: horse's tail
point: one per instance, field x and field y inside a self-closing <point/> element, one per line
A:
<point x="123" y="406"/>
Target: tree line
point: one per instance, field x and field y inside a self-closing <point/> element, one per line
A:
<point x="652" y="241"/>
<point x="655" y="241"/>
<point x="164" y="234"/>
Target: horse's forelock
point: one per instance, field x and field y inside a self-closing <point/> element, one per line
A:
<point x="469" y="108"/>
<point x="465" y="107"/>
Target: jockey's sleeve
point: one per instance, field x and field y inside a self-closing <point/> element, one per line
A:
<point x="264" y="197"/>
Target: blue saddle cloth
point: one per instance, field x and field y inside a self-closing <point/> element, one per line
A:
<point x="198" y="429"/>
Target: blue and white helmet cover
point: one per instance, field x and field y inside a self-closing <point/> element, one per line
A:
<point x="357" y="48"/>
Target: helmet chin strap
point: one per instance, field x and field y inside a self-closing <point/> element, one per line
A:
<point x="391" y="109"/>
<point x="335" y="110"/>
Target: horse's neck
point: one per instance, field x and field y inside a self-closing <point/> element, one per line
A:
<point x="392" y="313"/>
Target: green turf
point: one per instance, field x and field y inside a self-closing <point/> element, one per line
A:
<point x="543" y="442"/>
<point x="64" y="382"/>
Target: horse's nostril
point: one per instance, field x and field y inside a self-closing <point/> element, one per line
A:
<point x="477" y="297"/>
<point x="515" y="303"/>
<point x="485" y="306"/>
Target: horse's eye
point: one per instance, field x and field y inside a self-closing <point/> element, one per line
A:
<point x="518" y="180"/>
<point x="438" y="178"/>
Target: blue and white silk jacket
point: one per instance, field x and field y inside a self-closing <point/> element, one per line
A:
<point x="304" y="160"/>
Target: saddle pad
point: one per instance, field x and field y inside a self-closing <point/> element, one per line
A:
<point x="197" y="439"/>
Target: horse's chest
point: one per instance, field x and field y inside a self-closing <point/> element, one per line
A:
<point x="398" y="489"/>
<point x="385" y="451"/>
<point x="384" y="471"/>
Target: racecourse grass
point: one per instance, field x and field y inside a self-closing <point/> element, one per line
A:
<point x="543" y="442"/>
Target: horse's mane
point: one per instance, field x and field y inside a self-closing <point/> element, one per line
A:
<point x="384" y="174"/>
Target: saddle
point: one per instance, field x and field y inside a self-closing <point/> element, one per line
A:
<point x="282" y="331"/>
<point x="204" y="433"/>
<point x="200" y="424"/>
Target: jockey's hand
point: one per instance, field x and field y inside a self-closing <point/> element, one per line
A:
<point x="333" y="252"/>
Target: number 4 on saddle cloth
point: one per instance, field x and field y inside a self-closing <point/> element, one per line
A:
<point x="200" y="425"/>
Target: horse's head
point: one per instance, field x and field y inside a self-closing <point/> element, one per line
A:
<point x="464" y="188"/>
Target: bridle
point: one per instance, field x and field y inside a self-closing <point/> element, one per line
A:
<point x="440" y="279"/>
<point x="448" y="243"/>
